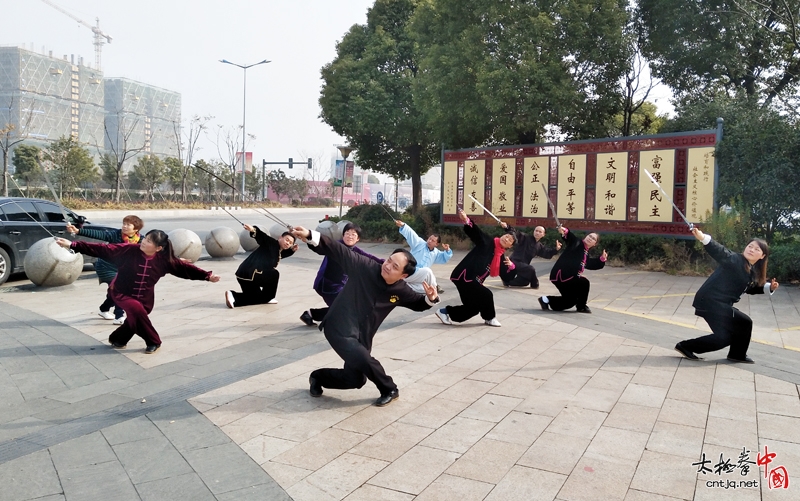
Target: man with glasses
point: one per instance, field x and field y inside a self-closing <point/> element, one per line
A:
<point x="567" y="273"/>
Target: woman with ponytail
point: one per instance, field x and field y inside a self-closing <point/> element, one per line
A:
<point x="736" y="274"/>
<point x="485" y="259"/>
<point x="133" y="289"/>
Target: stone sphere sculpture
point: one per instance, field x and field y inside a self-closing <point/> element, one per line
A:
<point x="49" y="265"/>
<point x="247" y="242"/>
<point x="329" y="229"/>
<point x="186" y="244"/>
<point x="276" y="230"/>
<point x="222" y="242"/>
<point x="340" y="227"/>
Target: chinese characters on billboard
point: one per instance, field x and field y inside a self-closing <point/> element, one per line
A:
<point x="598" y="185"/>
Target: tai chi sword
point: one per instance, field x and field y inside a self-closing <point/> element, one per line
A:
<point x="690" y="225"/>
<point x="550" y="203"/>
<point x="484" y="208"/>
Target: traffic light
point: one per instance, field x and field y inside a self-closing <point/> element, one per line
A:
<point x="290" y="163"/>
<point x="309" y="163"/>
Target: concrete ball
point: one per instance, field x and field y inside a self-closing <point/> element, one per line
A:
<point x="276" y="230"/>
<point x="186" y="244"/>
<point x="222" y="242"/>
<point x="50" y="265"/>
<point x="329" y="229"/>
<point x="247" y="242"/>
<point x="340" y="227"/>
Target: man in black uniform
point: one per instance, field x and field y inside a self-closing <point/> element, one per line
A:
<point x="526" y="248"/>
<point x="257" y="275"/>
<point x="372" y="291"/>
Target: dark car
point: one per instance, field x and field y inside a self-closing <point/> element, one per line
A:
<point x="25" y="221"/>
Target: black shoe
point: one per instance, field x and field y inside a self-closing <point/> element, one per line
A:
<point x="745" y="360"/>
<point x="535" y="286"/>
<point x="584" y="309"/>
<point x="307" y="319"/>
<point x="388" y="398"/>
<point x="152" y="348"/>
<point x="439" y="289"/>
<point x="314" y="387"/>
<point x="545" y="306"/>
<point x="505" y="284"/>
<point x="117" y="345"/>
<point x="686" y="353"/>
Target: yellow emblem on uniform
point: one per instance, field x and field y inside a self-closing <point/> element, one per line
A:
<point x="394" y="299"/>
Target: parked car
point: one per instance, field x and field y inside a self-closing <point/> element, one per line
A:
<point x="25" y="221"/>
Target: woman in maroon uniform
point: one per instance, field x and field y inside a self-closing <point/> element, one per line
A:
<point x="139" y="267"/>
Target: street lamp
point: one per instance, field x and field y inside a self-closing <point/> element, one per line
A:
<point x="345" y="151"/>
<point x="244" y="111"/>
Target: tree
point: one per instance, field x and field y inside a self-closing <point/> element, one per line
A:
<point x="297" y="189"/>
<point x="197" y="126"/>
<point x="174" y="175"/>
<point x="367" y="95"/>
<point x="228" y="142"/>
<point x="25" y="165"/>
<point x="121" y="147"/>
<point x="148" y="173"/>
<point x="757" y="158"/>
<point x="73" y="165"/>
<point x="278" y="183"/>
<point x="702" y="48"/>
<point x="373" y="179"/>
<point x="10" y="136"/>
<point x="515" y="72"/>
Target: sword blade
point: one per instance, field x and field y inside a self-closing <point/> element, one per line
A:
<point x="550" y="203"/>
<point x="484" y="208"/>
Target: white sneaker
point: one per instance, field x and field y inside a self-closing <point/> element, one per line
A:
<point x="443" y="316"/>
<point x="493" y="322"/>
<point x="107" y="315"/>
<point x="229" y="299"/>
<point x="120" y="320"/>
<point x="272" y="301"/>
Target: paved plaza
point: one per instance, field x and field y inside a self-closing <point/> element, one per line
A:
<point x="550" y="406"/>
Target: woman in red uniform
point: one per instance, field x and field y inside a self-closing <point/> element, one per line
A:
<point x="139" y="267"/>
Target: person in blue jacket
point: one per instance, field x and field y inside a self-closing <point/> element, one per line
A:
<point x="736" y="274"/>
<point x="127" y="234"/>
<point x="427" y="253"/>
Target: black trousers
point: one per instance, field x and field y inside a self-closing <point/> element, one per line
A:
<point x="475" y="298"/>
<point x="574" y="292"/>
<point x="108" y="303"/>
<point x="728" y="329"/>
<point x="261" y="290"/>
<point x="318" y="314"/>
<point x="359" y="365"/>
<point x="523" y="274"/>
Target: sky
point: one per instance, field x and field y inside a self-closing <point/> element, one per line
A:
<point x="177" y="45"/>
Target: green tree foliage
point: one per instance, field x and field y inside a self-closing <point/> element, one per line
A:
<point x="757" y="158"/>
<point x="723" y="45"/>
<point x="25" y="166"/>
<point x="278" y="182"/>
<point x="174" y="174"/>
<point x="149" y="172"/>
<point x="368" y="95"/>
<point x="73" y="165"/>
<point x="644" y="120"/>
<point x="373" y="179"/>
<point x="508" y="72"/>
<point x="204" y="174"/>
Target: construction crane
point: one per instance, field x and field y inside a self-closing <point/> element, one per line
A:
<point x="99" y="37"/>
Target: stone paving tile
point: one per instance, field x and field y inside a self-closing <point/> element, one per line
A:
<point x="577" y="422"/>
<point x="527" y="484"/>
<point x="648" y="396"/>
<point x="782" y="428"/>
<point x="447" y="487"/>
<point x="371" y="493"/>
<point x="284" y="474"/>
<point x="415" y="470"/>
<point x="784" y="405"/>
<point x="676" y="440"/>
<point x="487" y="461"/>
<point x="225" y="468"/>
<point x="617" y="443"/>
<point x="392" y="442"/>
<point x="767" y="384"/>
<point x="321" y="449"/>
<point x="434" y="413"/>
<point x="555" y="453"/>
<point x="151" y="459"/>
<point x="186" y="487"/>
<point x="733" y="408"/>
<point x="29" y="477"/>
<point x="338" y="478"/>
<point x="458" y="434"/>
<point x="683" y="412"/>
<point x="96" y="481"/>
<point x="519" y="428"/>
<point x="666" y="475"/>
<point x="491" y="408"/>
<point x="634" y="495"/>
<point x="467" y="390"/>
<point x="598" y="476"/>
